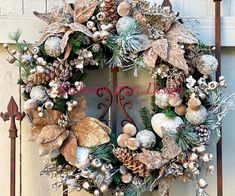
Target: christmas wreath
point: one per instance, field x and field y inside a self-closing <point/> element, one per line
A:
<point x="186" y="112"/>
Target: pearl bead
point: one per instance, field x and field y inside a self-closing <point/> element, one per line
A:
<point x="5" y="46"/>
<point x="40" y="114"/>
<point x="75" y="103"/>
<point x="13" y="52"/>
<point x="70" y="109"/>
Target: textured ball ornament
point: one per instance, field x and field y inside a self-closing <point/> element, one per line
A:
<point x="196" y="117"/>
<point x="146" y="139"/>
<point x="129" y="129"/>
<point x="39" y="94"/>
<point x="162" y="99"/>
<point x="207" y="64"/>
<point x="124" y="23"/>
<point x="30" y="104"/>
<point x="133" y="144"/>
<point x="160" y="121"/>
<point x="122" y="140"/>
<point x="52" y="46"/>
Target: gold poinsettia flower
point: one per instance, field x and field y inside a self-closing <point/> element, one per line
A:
<point x="64" y="22"/>
<point x="79" y="130"/>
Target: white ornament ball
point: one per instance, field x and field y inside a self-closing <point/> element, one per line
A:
<point x="207" y="64"/>
<point x="82" y="157"/>
<point x="129" y="129"/>
<point x="146" y="138"/>
<point x="160" y="121"/>
<point x="162" y="98"/>
<point x="39" y="94"/>
<point x="30" y="104"/>
<point x="125" y="23"/>
<point x="52" y="46"/>
<point x="196" y="117"/>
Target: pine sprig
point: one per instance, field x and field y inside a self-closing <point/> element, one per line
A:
<point x="146" y="118"/>
<point x="15" y="36"/>
<point x="185" y="138"/>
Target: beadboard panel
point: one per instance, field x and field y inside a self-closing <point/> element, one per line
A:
<point x="29" y="6"/>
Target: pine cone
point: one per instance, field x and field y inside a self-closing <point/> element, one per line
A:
<point x="203" y="133"/>
<point x="109" y="7"/>
<point x="50" y="72"/>
<point x="174" y="80"/>
<point x="129" y="159"/>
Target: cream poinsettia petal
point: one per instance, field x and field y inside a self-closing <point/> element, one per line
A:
<point x="67" y="9"/>
<point x="50" y="17"/>
<point x="64" y="40"/>
<point x="80" y="28"/>
<point x="176" y="56"/>
<point x="160" y="47"/>
<point x="180" y="34"/>
<point x="84" y="9"/>
<point x="150" y="57"/>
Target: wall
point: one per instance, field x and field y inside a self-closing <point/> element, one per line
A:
<point x="36" y="185"/>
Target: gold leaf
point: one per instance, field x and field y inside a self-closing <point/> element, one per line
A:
<point x="152" y="159"/>
<point x="89" y="133"/>
<point x="170" y="148"/>
<point x="84" y="10"/>
<point x="176" y="56"/>
<point x="51" y="138"/>
<point x="160" y="47"/>
<point x="150" y="57"/>
<point x="79" y="111"/>
<point x="180" y="34"/>
<point x="81" y="28"/>
<point x="103" y="126"/>
<point x="68" y="149"/>
<point x="64" y="40"/>
<point x="49" y="133"/>
<point x="50" y="117"/>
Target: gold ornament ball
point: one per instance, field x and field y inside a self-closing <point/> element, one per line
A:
<point x="133" y="144"/>
<point x="129" y="129"/>
<point x="122" y="140"/>
<point x="180" y="110"/>
<point x="124" y="9"/>
<point x="127" y="178"/>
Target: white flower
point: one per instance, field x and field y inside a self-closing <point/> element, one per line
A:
<point x="190" y="82"/>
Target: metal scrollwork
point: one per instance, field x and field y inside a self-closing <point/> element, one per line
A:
<point x="108" y="99"/>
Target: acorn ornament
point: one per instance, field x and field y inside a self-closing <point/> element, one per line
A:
<point x="180" y="110"/>
<point x="52" y="46"/>
<point x="194" y="103"/>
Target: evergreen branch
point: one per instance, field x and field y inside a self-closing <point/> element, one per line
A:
<point x="15" y="36"/>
